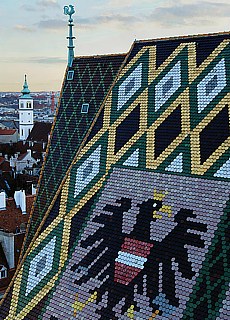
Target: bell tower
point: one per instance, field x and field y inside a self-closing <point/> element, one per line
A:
<point x="26" y="112"/>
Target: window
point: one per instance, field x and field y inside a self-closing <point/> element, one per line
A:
<point x="70" y="75"/>
<point x="3" y="272"/>
<point x="28" y="104"/>
<point x="84" y="108"/>
<point x="22" y="105"/>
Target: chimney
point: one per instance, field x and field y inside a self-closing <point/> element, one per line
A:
<point x="20" y="200"/>
<point x="2" y="200"/>
<point x="17" y="198"/>
<point x="12" y="162"/>
<point x="33" y="190"/>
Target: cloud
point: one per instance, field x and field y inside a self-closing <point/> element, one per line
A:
<point x="48" y="3"/>
<point x="175" y="13"/>
<point x="34" y="60"/>
<point x="118" y="4"/>
<point x="23" y="28"/>
<point x="52" y="24"/>
<point x="28" y="7"/>
<point x="40" y="5"/>
<point x="122" y="20"/>
<point x="46" y="60"/>
<point x="84" y="23"/>
<point x="180" y="13"/>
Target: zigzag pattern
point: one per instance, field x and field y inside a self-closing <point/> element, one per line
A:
<point x="92" y="79"/>
<point x="141" y="228"/>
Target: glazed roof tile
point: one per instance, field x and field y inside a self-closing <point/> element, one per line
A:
<point x="138" y="228"/>
<point x="93" y="77"/>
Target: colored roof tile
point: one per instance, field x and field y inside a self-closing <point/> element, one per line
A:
<point x="138" y="220"/>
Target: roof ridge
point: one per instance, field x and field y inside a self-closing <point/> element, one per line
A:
<point x="185" y="36"/>
<point x="100" y="55"/>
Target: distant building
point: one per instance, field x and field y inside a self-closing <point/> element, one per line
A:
<point x="14" y="215"/>
<point x="23" y="161"/>
<point x="40" y="132"/>
<point x="26" y="113"/>
<point x="4" y="164"/>
<point x="8" y="135"/>
<point x="9" y="124"/>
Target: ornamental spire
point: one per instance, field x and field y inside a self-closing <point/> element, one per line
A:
<point x="25" y="90"/>
<point x="69" y="10"/>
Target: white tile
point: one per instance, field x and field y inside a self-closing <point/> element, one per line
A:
<point x="133" y="159"/>
<point x="204" y="97"/>
<point x="224" y="171"/>
<point x="34" y="279"/>
<point x="176" y="165"/>
<point x="135" y="78"/>
<point x="174" y="78"/>
<point x="94" y="161"/>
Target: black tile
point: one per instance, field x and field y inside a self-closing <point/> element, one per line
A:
<point x="127" y="128"/>
<point x="214" y="134"/>
<point x="167" y="131"/>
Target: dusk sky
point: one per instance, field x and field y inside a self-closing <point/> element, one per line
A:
<point x="33" y="32"/>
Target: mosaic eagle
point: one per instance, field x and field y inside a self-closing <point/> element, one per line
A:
<point x="132" y="264"/>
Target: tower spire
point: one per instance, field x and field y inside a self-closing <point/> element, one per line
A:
<point x="25" y="90"/>
<point x="69" y="10"/>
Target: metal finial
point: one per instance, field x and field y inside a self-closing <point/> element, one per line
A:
<point x="69" y="10"/>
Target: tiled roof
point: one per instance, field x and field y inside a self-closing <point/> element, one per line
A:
<point x="7" y="132"/>
<point x="12" y="217"/>
<point x="11" y="124"/>
<point x="22" y="156"/>
<point x="92" y="79"/>
<point x="139" y="227"/>
<point x="5" y="166"/>
<point x="40" y="132"/>
<point x="22" y="147"/>
<point x="7" y="182"/>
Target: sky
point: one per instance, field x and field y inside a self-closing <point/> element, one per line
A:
<point x="33" y="32"/>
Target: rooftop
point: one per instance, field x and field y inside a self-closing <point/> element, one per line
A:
<point x="12" y="217"/>
<point x="7" y="132"/>
<point x="40" y="132"/>
<point x="132" y="215"/>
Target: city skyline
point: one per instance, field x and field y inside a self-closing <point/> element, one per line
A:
<point x="33" y="36"/>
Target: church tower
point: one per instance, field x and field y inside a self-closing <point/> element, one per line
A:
<point x="26" y="112"/>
